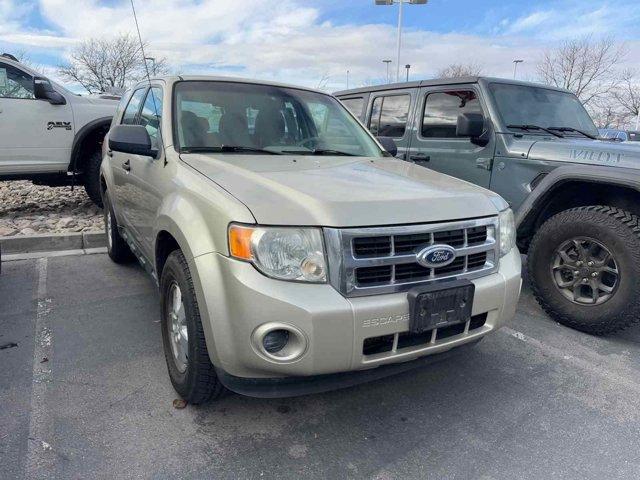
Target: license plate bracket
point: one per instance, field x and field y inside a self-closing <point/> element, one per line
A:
<point x="440" y="305"/>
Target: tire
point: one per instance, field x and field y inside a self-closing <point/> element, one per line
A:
<point x="193" y="375"/>
<point x="92" y="177"/>
<point x="117" y="248"/>
<point x="595" y="234"/>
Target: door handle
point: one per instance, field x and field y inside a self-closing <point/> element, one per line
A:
<point x="420" y="157"/>
<point x="126" y="166"/>
<point x="484" y="163"/>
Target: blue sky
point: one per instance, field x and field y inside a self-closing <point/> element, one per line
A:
<point x="317" y="41"/>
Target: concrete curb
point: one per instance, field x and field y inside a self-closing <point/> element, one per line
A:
<point x="53" y="242"/>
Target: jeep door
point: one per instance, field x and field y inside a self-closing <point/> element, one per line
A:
<point x="435" y="144"/>
<point x="35" y="136"/>
<point x="389" y="115"/>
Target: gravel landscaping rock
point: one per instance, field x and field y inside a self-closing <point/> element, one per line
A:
<point x="27" y="209"/>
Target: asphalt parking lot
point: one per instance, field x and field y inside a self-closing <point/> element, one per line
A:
<point x="84" y="394"/>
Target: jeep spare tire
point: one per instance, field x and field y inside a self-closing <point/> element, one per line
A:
<point x="584" y="266"/>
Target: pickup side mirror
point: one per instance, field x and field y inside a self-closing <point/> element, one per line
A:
<point x="132" y="139"/>
<point x="389" y="145"/>
<point x="43" y="90"/>
<point x="472" y="125"/>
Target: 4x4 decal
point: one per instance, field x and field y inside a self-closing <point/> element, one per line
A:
<point x="65" y="125"/>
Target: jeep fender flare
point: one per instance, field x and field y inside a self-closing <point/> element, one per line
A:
<point x="82" y="135"/>
<point x="528" y="212"/>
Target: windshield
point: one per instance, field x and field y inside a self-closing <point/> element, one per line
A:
<point x="245" y="118"/>
<point x="527" y="105"/>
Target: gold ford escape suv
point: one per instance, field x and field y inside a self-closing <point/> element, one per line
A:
<point x="292" y="252"/>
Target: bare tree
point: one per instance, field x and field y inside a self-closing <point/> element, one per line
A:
<point x="103" y="65"/>
<point x="585" y="66"/>
<point x="627" y="96"/>
<point x="323" y="82"/>
<point x="456" y="70"/>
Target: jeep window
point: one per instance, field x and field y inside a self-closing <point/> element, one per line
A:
<point x="130" y="116"/>
<point x="527" y="105"/>
<point x="14" y="83"/>
<point x="441" y="111"/>
<point x="389" y="116"/>
<point x="152" y="113"/>
<point x="355" y="105"/>
<point x="243" y="117"/>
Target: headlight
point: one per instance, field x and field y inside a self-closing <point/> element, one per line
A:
<point x="285" y="253"/>
<point x="507" y="231"/>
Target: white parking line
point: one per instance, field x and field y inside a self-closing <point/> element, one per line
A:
<point x="40" y="455"/>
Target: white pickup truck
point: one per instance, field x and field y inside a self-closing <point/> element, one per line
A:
<point x="48" y="134"/>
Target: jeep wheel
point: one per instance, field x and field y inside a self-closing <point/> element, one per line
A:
<point x="584" y="266"/>
<point x="117" y="248"/>
<point x="92" y="177"/>
<point x="185" y="349"/>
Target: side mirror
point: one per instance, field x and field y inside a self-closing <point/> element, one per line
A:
<point x="389" y="145"/>
<point x="43" y="90"/>
<point x="132" y="139"/>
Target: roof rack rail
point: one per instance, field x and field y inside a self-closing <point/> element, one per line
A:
<point x="10" y="57"/>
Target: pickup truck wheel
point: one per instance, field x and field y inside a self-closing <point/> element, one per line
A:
<point x="584" y="265"/>
<point x="185" y="349"/>
<point x="117" y="248"/>
<point x="92" y="178"/>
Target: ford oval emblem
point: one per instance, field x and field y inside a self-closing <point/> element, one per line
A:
<point x="436" y="256"/>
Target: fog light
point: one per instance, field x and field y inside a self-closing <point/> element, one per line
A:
<point x="275" y="341"/>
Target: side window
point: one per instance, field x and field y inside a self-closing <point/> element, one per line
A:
<point x="441" y="112"/>
<point x="14" y="83"/>
<point x="389" y="116"/>
<point x="130" y="116"/>
<point x="354" y="105"/>
<point x="152" y="113"/>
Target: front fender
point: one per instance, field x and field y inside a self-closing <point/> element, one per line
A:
<point x="554" y="180"/>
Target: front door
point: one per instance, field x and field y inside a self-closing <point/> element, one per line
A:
<point x="435" y="144"/>
<point x="35" y="136"/>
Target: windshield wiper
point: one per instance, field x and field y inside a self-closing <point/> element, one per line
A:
<point x="320" y="151"/>
<point x="228" y="149"/>
<point x="536" y="127"/>
<point x="571" y="129"/>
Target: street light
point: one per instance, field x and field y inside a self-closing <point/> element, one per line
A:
<point x="408" y="67"/>
<point x="387" y="62"/>
<point x="347" y="79"/>
<point x="515" y="66"/>
<point x="400" y="4"/>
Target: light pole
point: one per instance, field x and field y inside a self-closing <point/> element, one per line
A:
<point x="515" y="66"/>
<point x="388" y="62"/>
<point x="152" y="59"/>
<point x="400" y="4"/>
<point x="408" y="67"/>
<point x="347" y="79"/>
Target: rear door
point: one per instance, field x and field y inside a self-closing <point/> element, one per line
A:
<point x="390" y="114"/>
<point x="35" y="136"/>
<point x="435" y="144"/>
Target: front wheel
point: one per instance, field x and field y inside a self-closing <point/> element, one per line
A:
<point x="185" y="349"/>
<point x="92" y="177"/>
<point x="584" y="265"/>
<point x="117" y="247"/>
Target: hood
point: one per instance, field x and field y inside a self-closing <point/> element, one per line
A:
<point x="578" y="150"/>
<point x="342" y="191"/>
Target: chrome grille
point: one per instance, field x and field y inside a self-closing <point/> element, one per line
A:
<point x="369" y="261"/>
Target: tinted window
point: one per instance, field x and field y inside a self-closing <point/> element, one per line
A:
<point x="441" y="112"/>
<point x="15" y="83"/>
<point x="355" y="105"/>
<point x="130" y="116"/>
<point x="152" y="113"/>
<point x="528" y="105"/>
<point x="389" y="116"/>
<point x="212" y="115"/>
